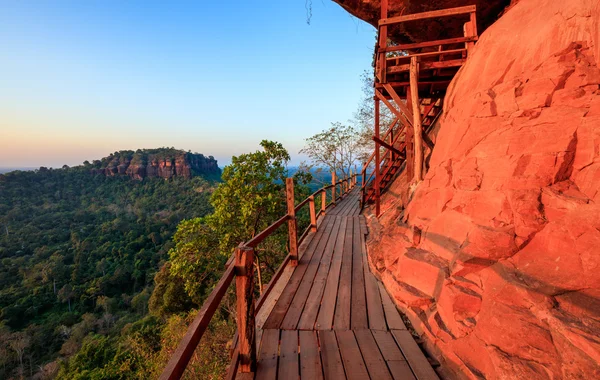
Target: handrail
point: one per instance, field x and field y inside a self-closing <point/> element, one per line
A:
<point x="190" y="340"/>
<point x="425" y="15"/>
<point x="245" y="285"/>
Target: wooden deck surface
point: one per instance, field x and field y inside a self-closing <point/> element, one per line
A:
<point x="333" y="319"/>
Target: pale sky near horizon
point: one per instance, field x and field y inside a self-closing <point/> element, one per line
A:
<point x="82" y="79"/>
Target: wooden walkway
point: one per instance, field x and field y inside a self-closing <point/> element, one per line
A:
<point x="333" y="319"/>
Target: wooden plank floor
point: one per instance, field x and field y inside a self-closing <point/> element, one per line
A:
<point x="333" y="319"/>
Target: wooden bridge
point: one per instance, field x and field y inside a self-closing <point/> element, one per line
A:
<point x="324" y="315"/>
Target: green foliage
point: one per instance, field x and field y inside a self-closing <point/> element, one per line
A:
<point x="336" y="148"/>
<point x="79" y="252"/>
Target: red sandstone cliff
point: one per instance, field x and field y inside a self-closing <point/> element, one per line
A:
<point x="496" y="257"/>
<point x="164" y="162"/>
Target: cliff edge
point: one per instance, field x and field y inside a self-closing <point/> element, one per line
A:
<point x="163" y="162"/>
<point x="496" y="256"/>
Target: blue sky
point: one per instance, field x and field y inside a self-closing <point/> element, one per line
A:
<point x="81" y="79"/>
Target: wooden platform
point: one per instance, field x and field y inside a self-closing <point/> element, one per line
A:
<point x="333" y="319"/>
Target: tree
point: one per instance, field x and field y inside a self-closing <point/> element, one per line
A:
<point x="18" y="342"/>
<point x="250" y="198"/>
<point x="364" y="117"/>
<point x="337" y="148"/>
<point x="65" y="294"/>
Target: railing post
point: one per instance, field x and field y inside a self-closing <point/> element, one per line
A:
<point x="323" y="201"/>
<point x="333" y="188"/>
<point x="292" y="228"/>
<point x="244" y="284"/>
<point x="313" y="213"/>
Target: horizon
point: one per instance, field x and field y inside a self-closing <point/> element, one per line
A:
<point x="86" y="79"/>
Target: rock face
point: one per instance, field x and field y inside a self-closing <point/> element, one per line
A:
<point x="496" y="257"/>
<point x="370" y="11"/>
<point x="165" y="163"/>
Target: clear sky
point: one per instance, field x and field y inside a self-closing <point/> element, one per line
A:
<point x="81" y="79"/>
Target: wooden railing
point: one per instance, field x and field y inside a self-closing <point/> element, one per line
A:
<point x="240" y="266"/>
<point x="469" y="38"/>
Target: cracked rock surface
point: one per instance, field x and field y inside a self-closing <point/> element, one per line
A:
<point x="504" y="278"/>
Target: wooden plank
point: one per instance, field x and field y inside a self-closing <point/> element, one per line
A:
<point x="373" y="358"/>
<point x="330" y="353"/>
<point x="400" y="370"/>
<point x="431" y="14"/>
<point x="397" y="364"/>
<point x="288" y="356"/>
<point x="427" y="65"/>
<point x="325" y="317"/>
<point x="374" y="304"/>
<point x="392" y="316"/>
<point x="310" y="358"/>
<point x="313" y="301"/>
<point x="429" y="54"/>
<point x="290" y="321"/>
<point x="189" y="342"/>
<point x="421" y="45"/>
<point x="341" y="319"/>
<point x="387" y="345"/>
<point x="266" y="368"/>
<point x="351" y="356"/>
<point x="414" y="356"/>
<point x="359" y="302"/>
<point x="286" y="297"/>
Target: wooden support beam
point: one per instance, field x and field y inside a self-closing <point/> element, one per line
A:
<point x="292" y="227"/>
<point x="418" y="130"/>
<point x="426" y="15"/>
<point x="386" y="145"/>
<point x="244" y="284"/>
<point x="427" y="140"/>
<point x="408" y="139"/>
<point x="407" y="112"/>
<point x="420" y="45"/>
<point x="323" y="201"/>
<point x="377" y="161"/>
<point x="440" y="53"/>
<point x="427" y="65"/>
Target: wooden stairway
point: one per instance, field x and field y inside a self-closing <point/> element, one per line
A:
<point x="394" y="159"/>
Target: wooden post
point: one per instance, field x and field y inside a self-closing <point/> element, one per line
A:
<point x="292" y="228"/>
<point x="408" y="142"/>
<point x="323" y="201"/>
<point x="244" y="284"/>
<point x="377" y="161"/>
<point x="313" y="214"/>
<point x="417" y="128"/>
<point x="333" y="187"/>
<point x="383" y="43"/>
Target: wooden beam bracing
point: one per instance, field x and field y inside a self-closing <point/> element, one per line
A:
<point x="426" y="15"/>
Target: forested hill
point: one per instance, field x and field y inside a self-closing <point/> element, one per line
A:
<point x="79" y="250"/>
<point x="162" y="162"/>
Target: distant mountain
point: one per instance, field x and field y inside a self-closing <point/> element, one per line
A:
<point x="161" y="162"/>
<point x="12" y="169"/>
